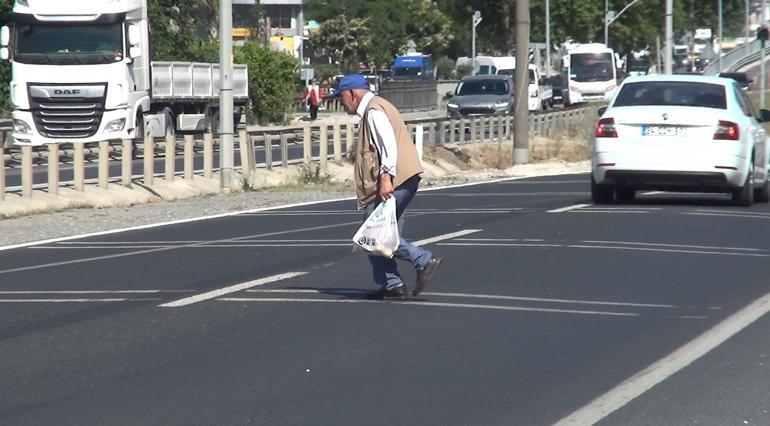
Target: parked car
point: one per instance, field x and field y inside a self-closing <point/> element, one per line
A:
<point x="480" y="95"/>
<point x="743" y="80"/>
<point x="680" y="133"/>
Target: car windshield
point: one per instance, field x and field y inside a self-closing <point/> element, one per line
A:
<point x="586" y="67"/>
<point x="672" y="93"/>
<point x="68" y="45"/>
<point x="482" y="87"/>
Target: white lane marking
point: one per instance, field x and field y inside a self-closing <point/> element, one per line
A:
<point x="734" y="212"/>
<point x="508" y="194"/>
<point x="632" y="243"/>
<point x="93" y="291"/>
<point x="664" y="368"/>
<point x="73" y="300"/>
<point x="612" y="211"/>
<point x="545" y="182"/>
<point x="653" y="193"/>
<point x="260" y="209"/>
<point x="437" y="304"/>
<point x="231" y="289"/>
<point x="445" y="237"/>
<point x="749" y="216"/>
<point x="502" y="244"/>
<point x="723" y="253"/>
<point x="197" y="246"/>
<point x="495" y="297"/>
<point x="530" y="240"/>
<point x="584" y="246"/>
<point x="101" y="247"/>
<point x="568" y="208"/>
<point x="159" y="249"/>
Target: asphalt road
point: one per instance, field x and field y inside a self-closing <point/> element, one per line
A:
<point x="547" y="308"/>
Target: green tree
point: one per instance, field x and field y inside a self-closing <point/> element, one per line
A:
<point x="347" y="41"/>
<point x="173" y="25"/>
<point x="272" y="80"/>
<point x="391" y="24"/>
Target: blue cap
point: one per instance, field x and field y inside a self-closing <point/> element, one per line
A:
<point x="351" y="81"/>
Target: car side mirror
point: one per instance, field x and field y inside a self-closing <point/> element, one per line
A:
<point x="134" y="52"/>
<point x="601" y="111"/>
<point x="764" y="115"/>
<point x="448" y="95"/>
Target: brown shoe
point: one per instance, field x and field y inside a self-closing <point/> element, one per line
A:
<point x="396" y="293"/>
<point x="424" y="274"/>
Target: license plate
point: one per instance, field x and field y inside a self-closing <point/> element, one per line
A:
<point x="663" y="131"/>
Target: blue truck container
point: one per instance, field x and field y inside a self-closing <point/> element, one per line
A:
<point x="415" y="67"/>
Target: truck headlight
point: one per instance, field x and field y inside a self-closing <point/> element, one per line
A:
<point x="115" y="126"/>
<point x="21" y="126"/>
<point x="452" y="106"/>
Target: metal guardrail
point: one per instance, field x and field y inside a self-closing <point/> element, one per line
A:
<point x="737" y="58"/>
<point x="118" y="162"/>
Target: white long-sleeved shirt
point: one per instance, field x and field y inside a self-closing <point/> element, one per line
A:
<point x="383" y="135"/>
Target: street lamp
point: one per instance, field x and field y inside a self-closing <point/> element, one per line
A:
<point x="611" y="16"/>
<point x="476" y="21"/>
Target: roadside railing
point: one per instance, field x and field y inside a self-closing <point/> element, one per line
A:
<point x="143" y="162"/>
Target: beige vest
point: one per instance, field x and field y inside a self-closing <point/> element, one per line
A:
<point x="367" y="165"/>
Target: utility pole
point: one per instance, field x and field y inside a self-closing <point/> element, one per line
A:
<point x="226" y="154"/>
<point x="606" y="18"/>
<point x="547" y="38"/>
<point x="520" y="92"/>
<point x="762" y="75"/>
<point x="668" y="48"/>
<point x="719" y="55"/>
<point x="476" y="20"/>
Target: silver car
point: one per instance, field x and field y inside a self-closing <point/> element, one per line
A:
<point x="481" y="95"/>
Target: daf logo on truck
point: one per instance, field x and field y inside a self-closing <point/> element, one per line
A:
<point x="66" y="92"/>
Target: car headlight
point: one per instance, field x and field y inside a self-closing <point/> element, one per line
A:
<point x="115" y="126"/>
<point x="501" y="104"/>
<point x="21" y="126"/>
<point x="453" y="106"/>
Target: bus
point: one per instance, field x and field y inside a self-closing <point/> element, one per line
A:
<point x="590" y="73"/>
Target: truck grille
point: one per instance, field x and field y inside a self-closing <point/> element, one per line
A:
<point x="67" y="116"/>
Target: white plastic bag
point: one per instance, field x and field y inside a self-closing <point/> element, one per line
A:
<point x="379" y="232"/>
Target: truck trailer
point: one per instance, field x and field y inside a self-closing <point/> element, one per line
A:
<point x="82" y="72"/>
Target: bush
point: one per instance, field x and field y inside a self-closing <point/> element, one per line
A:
<point x="445" y="68"/>
<point x="463" y="70"/>
<point x="272" y="81"/>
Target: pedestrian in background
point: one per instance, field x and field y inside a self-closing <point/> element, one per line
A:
<point x="386" y="165"/>
<point x="313" y="98"/>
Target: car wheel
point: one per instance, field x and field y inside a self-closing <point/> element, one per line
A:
<point x="744" y="196"/>
<point x="601" y="194"/>
<point x="762" y="195"/>
<point x="625" y="195"/>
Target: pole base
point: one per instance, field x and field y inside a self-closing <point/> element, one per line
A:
<point x="520" y="155"/>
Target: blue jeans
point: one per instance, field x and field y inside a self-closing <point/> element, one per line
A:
<point x="384" y="270"/>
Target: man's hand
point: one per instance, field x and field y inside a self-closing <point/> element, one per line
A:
<point x="385" y="187"/>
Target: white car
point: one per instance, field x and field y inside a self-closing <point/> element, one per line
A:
<point x="680" y="133"/>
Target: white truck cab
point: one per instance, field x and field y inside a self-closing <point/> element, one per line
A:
<point x="81" y="72"/>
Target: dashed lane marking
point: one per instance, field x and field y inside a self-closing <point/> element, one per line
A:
<point x="231" y="289"/>
<point x="568" y="208"/>
<point x="435" y="304"/>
